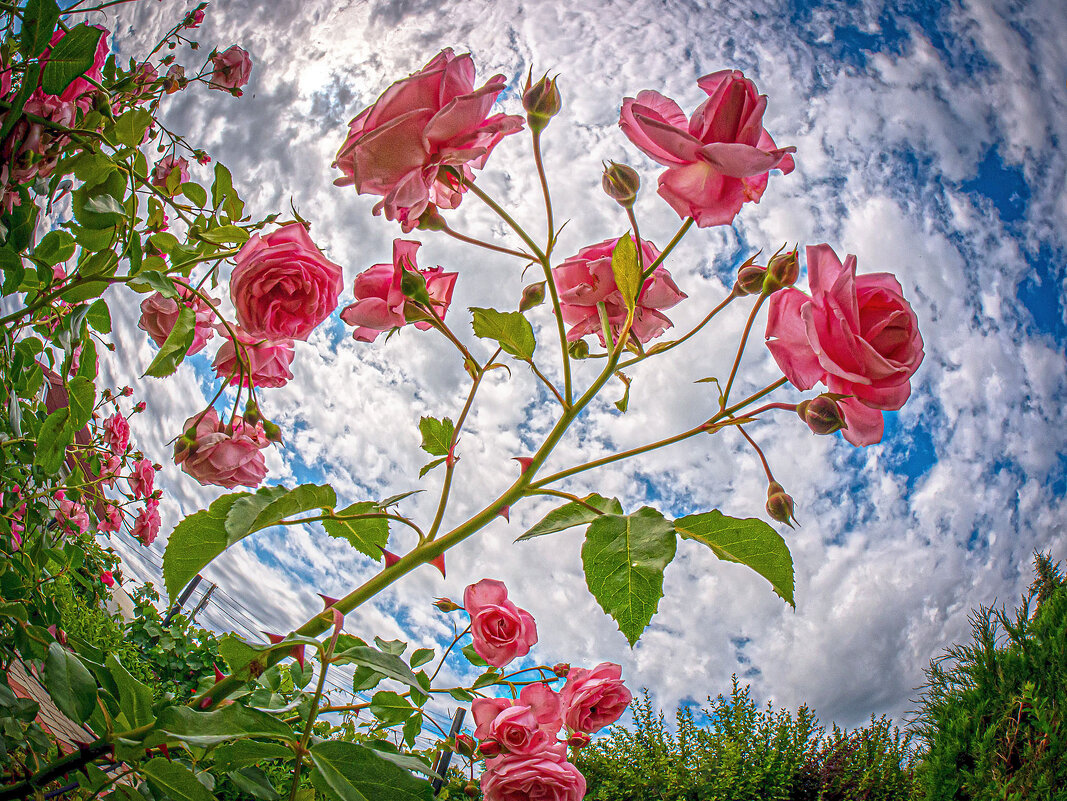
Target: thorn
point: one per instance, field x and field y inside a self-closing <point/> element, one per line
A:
<point x="327" y="601"/>
<point x="274" y="638"/>
<point x="390" y="558"/>
<point x="439" y="563"/>
<point x="219" y="675"/>
<point x="505" y="513"/>
<point x="524" y="463"/>
<point x="298" y="654"/>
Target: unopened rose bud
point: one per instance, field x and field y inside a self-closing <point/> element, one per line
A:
<point x="561" y="669"/>
<point x="621" y="183"/>
<point x="127" y="391"/>
<point x="779" y="504"/>
<point x="578" y="740"/>
<point x="446" y="605"/>
<point x="471" y="790"/>
<point x="252" y="415"/>
<point x="489" y="748"/>
<point x="274" y="434"/>
<point x="532" y="295"/>
<point x="750" y="279"/>
<point x="782" y="270"/>
<point x="822" y="414"/>
<point x="140" y="407"/>
<point x="579" y="349"/>
<point x="465" y="745"/>
<point x="541" y="100"/>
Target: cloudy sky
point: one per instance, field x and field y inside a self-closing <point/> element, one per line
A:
<point x="928" y="143"/>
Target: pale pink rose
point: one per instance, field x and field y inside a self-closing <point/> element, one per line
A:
<point x="71" y="515"/>
<point x="159" y="314"/>
<point x="380" y="304"/>
<point x="116" y="433"/>
<point x="586" y="279"/>
<point x="719" y="158"/>
<point x="165" y="166"/>
<point x="112" y="520"/>
<point x="856" y="334"/>
<point x="432" y="119"/>
<point x="232" y="69"/>
<point x="109" y="471"/>
<point x="228" y="456"/>
<point x="524" y="726"/>
<point x="282" y="286"/>
<point x="501" y="631"/>
<point x="107" y="578"/>
<point x="267" y="362"/>
<point x="146" y="526"/>
<point x="142" y="479"/>
<point x="546" y="776"/>
<point x="593" y="699"/>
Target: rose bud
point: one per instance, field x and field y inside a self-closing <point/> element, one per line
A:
<point x="578" y="740"/>
<point x="465" y="745"/>
<point x="779" y="504"/>
<point x="471" y="790"/>
<point x="532" y="295"/>
<point x="561" y="669"/>
<point x="822" y="414"/>
<point x="750" y="279"/>
<point x="541" y="101"/>
<point x="782" y="270"/>
<point x="621" y="183"/>
<point x="489" y="748"/>
<point x="446" y="605"/>
<point x="274" y="434"/>
<point x="579" y="349"/>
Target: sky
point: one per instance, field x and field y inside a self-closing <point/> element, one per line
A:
<point x="928" y="141"/>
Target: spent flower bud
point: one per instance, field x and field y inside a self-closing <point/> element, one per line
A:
<point x="779" y="504"/>
<point x="822" y="414"/>
<point x="621" y="183"/>
<point x="750" y="279"/>
<point x="561" y="669"/>
<point x="465" y="745"/>
<point x="541" y="100"/>
<point x="532" y="295"/>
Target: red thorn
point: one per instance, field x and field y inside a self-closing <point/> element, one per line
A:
<point x="274" y="638"/>
<point x="390" y="558"/>
<point x="338" y="619"/>
<point x="205" y="702"/>
<point x="524" y="463"/>
<point x="327" y="601"/>
<point x="219" y="675"/>
<point x="298" y="654"/>
<point x="164" y="750"/>
<point x="505" y="512"/>
<point x="439" y="563"/>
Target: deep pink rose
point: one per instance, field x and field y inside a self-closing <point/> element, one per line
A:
<point x="112" y="520"/>
<point x="107" y="578"/>
<point x="546" y="776"/>
<point x="232" y="69"/>
<point x="586" y="279"/>
<point x="525" y="726"/>
<point x="142" y="479"/>
<point x="146" y="526"/>
<point x="224" y="455"/>
<point x="432" y="119"/>
<point x="856" y="334"/>
<point x="380" y="303"/>
<point x="716" y="160"/>
<point x="282" y="286"/>
<point x="116" y="433"/>
<point x="159" y="314"/>
<point x="501" y="631"/>
<point x="165" y="166"/>
<point x="593" y="699"/>
<point x="267" y="362"/>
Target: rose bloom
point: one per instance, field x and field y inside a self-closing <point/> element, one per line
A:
<point x="71" y="515"/>
<point x="159" y="314"/>
<point x="107" y="578"/>
<point x="856" y="334"/>
<point x="194" y="18"/>
<point x="586" y="279"/>
<point x="116" y="433"/>
<point x="267" y="362"/>
<point x="500" y="629"/>
<point x="282" y="286"/>
<point x="719" y="158"/>
<point x="228" y="456"/>
<point x="112" y="520"/>
<point x="525" y="726"/>
<point x="593" y="699"/>
<point x="380" y="303"/>
<point x="432" y="119"/>
<point x="146" y="526"/>
<point x="142" y="479"/>
<point x="165" y="166"/>
<point x="546" y="776"/>
<point x="232" y="69"/>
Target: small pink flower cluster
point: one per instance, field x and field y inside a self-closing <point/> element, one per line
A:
<point x="116" y="438"/>
<point x="16" y="516"/>
<point x="520" y="737"/>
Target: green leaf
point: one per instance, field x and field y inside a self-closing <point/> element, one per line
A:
<point x="420" y="656"/>
<point x="231" y="722"/>
<point x="14" y="272"/>
<point x="248" y="752"/>
<point x="94" y="168"/>
<point x="368" y="535"/>
<point x="623" y="403"/>
<point x="87" y="290"/>
<point x="426" y="468"/>
<point x="346" y="771"/>
<point x="52" y="441"/>
<point x="460" y="694"/>
<point x="472" y="656"/>
<point x="176" y="346"/>
<point x="99" y="317"/>
<point x="82" y="395"/>
<point x="436" y="435"/>
<point x="72" y="57"/>
<point x="272" y="504"/>
<point x="15" y="610"/>
<point x="390" y="707"/>
<point x="135" y="698"/>
<point x="627" y="271"/>
<point x="222" y="185"/>
<point x="195" y="541"/>
<point x="130" y="127"/>
<point x="254" y="782"/>
<point x="624" y="557"/>
<point x="225" y="235"/>
<point x="39" y="19"/>
<point x="175" y="780"/>
<point x="54" y="247"/>
<point x="152" y="280"/>
<point x="511" y="329"/>
<point x="70" y="683"/>
<point x="389" y="665"/>
<point x="573" y="514"/>
<point x="195" y="192"/>
<point x="103" y="204"/>
<point x="29" y="84"/>
<point x="750" y="542"/>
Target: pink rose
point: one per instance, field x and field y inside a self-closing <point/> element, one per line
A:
<point x="224" y="455"/>
<point x="856" y="334"/>
<point x="146" y="526"/>
<point x="593" y="699"/>
<point x="232" y="68"/>
<point x="71" y="515"/>
<point x="112" y="518"/>
<point x="142" y="479"/>
<point x="546" y="776"/>
<point x="282" y="286"/>
<point x="432" y="119"/>
<point x="586" y="279"/>
<point x="716" y="160"/>
<point x="194" y="18"/>
<point x="267" y="362"/>
<point x="501" y="631"/>
<point x="107" y="578"/>
<point x="525" y="726"/>
<point x="159" y="314"/>
<point x="116" y="433"/>
<point x="165" y="166"/>
<point x="380" y="304"/>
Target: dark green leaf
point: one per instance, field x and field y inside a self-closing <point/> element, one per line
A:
<point x="151" y="280"/>
<point x="54" y="247"/>
<point x="511" y="329"/>
<point x="14" y="272"/>
<point x="82" y="396"/>
<point x="248" y="752"/>
<point x="39" y="19"/>
<point x="15" y="610"/>
<point x="627" y="271"/>
<point x="135" y="698"/>
<point x="52" y="441"/>
<point x="175" y="780"/>
<point x="243" y="515"/>
<point x="750" y="542"/>
<point x="254" y="782"/>
<point x="420" y="656"/>
<point x="460" y="694"/>
<point x="226" y="723"/>
<point x="389" y="665"/>
<point x="367" y="535"/>
<point x="85" y="290"/>
<point x="426" y="468"/>
<point x="346" y="771"/>
<point x="103" y="204"/>
<point x="472" y="656"/>
<point x="195" y="541"/>
<point x="176" y="345"/>
<point x="296" y="501"/>
<point x="70" y="683"/>
<point x="29" y="84"/>
<point x="436" y="435"/>
<point x="94" y="168"/>
<point x="573" y="514"/>
<point x="390" y="707"/>
<point x="71" y="58"/>
<point x="624" y="557"/>
<point x="222" y="186"/>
